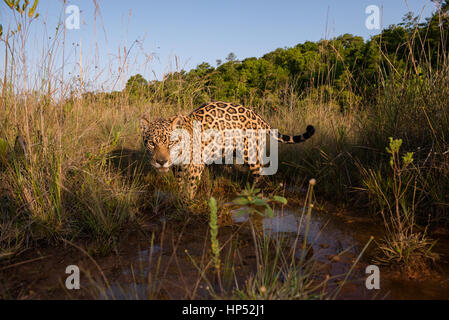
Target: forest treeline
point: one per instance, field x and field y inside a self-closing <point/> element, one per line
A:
<point x="346" y="70"/>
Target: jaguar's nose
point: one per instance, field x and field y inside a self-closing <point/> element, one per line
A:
<point x="161" y="162"/>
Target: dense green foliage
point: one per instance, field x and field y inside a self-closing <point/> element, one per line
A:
<point x="346" y="70"/>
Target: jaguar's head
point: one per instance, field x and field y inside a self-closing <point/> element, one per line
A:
<point x="156" y="138"/>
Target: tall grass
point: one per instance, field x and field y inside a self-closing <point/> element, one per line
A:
<point x="81" y="171"/>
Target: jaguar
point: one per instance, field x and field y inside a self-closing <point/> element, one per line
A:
<point x="220" y="116"/>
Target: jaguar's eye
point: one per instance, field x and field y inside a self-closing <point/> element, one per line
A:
<point x="150" y="145"/>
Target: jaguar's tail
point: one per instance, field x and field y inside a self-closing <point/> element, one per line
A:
<point x="310" y="130"/>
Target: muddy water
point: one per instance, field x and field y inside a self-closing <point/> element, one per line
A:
<point x="167" y="266"/>
<point x="336" y="242"/>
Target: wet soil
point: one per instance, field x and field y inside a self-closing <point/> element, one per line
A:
<point x="166" y="260"/>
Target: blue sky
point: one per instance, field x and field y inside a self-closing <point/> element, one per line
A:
<point x="197" y="31"/>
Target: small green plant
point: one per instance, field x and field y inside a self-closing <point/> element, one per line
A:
<point x="213" y="224"/>
<point x="395" y="197"/>
<point x="253" y="202"/>
<point x="215" y="245"/>
<point x="402" y="180"/>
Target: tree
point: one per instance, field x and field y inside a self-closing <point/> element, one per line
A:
<point x="136" y="82"/>
<point x="136" y="87"/>
<point x="231" y="57"/>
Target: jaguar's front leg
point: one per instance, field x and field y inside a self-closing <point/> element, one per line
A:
<point x="180" y="174"/>
<point x="255" y="171"/>
<point x="188" y="179"/>
<point x="194" y="177"/>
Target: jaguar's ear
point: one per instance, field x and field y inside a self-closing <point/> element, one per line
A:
<point x="144" y="123"/>
<point x="177" y="121"/>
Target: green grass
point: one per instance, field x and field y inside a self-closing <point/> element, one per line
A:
<point x="81" y="173"/>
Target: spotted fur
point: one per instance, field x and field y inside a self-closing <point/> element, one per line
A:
<point x="215" y="115"/>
